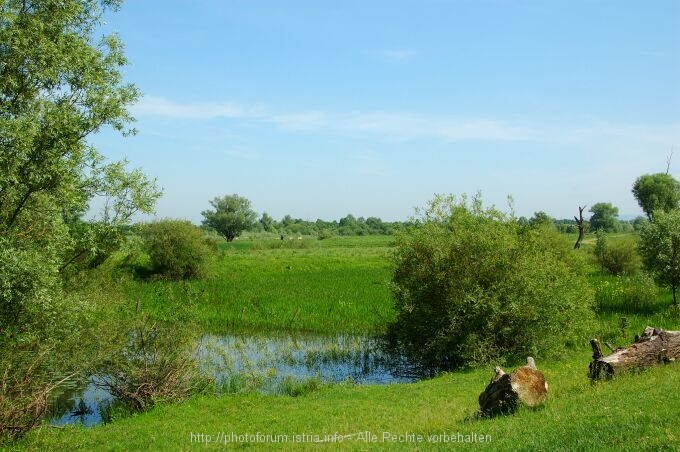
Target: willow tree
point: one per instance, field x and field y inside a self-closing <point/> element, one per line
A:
<point x="231" y="216"/>
<point x="58" y="86"/>
<point x="657" y="192"/>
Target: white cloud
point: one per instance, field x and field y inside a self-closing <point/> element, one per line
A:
<point x="159" y="106"/>
<point x="400" y="54"/>
<point x="404" y="126"/>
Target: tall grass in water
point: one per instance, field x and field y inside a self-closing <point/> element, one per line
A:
<point x="311" y="289"/>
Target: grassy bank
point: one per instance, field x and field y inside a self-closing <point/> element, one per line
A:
<point x="634" y="412"/>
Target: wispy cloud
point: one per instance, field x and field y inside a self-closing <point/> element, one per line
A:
<point x="159" y="106"/>
<point x="399" y="54"/>
<point x="404" y="126"/>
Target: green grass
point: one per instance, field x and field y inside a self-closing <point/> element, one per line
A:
<point x="335" y="285"/>
<point x="632" y="412"/>
<point x="342" y="285"/>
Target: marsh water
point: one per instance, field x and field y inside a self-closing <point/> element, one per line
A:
<point x="242" y="363"/>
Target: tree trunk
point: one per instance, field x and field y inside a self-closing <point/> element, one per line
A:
<point x="653" y="347"/>
<point x="505" y="392"/>
<point x="581" y="230"/>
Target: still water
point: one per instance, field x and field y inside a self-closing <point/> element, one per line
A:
<point x="244" y="363"/>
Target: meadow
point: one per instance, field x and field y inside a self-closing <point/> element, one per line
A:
<point x="337" y="285"/>
<point x="341" y="285"/>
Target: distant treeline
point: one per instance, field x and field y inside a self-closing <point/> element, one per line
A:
<point x="358" y="226"/>
<point x="347" y="226"/>
<point x="568" y="226"/>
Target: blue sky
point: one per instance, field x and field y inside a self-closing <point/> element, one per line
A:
<point x="319" y="109"/>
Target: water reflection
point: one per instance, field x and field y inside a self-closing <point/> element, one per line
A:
<point x="242" y="363"/>
<point x="81" y="402"/>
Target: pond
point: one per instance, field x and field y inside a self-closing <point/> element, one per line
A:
<point x="242" y="363"/>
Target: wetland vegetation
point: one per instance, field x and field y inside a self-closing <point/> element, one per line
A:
<point x="247" y="330"/>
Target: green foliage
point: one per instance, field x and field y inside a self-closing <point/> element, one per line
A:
<point x="657" y="192"/>
<point x="231" y="216"/>
<point x="659" y="247"/>
<point x="472" y="286"/>
<point x="267" y="222"/>
<point x="604" y="217"/>
<point x="626" y="294"/>
<point x="324" y="234"/>
<point x="541" y="219"/>
<point x="347" y="226"/>
<point x="40" y="336"/>
<point x="617" y="258"/>
<point x="178" y="249"/>
<point x="153" y="356"/>
<point x="57" y="87"/>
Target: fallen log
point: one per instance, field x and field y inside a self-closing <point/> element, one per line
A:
<point x="654" y="346"/>
<point x="505" y="392"/>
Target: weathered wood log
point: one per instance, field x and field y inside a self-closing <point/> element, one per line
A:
<point x="505" y="392"/>
<point x="654" y="346"/>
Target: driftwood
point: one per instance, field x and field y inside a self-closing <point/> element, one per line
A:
<point x="654" y="346"/>
<point x="526" y="385"/>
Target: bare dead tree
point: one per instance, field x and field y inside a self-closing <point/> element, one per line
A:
<point x="668" y="161"/>
<point x="581" y="230"/>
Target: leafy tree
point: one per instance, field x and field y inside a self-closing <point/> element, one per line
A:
<point x="267" y="222"/>
<point x="657" y="192"/>
<point x="287" y="221"/>
<point x="541" y="219"/>
<point x="58" y="86"/>
<point x="659" y="247"/>
<point x="639" y="222"/>
<point x="231" y="216"/>
<point x="473" y="286"/>
<point x="604" y="217"/>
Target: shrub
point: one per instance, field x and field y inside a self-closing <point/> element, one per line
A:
<point x="177" y="249"/>
<point x="152" y="357"/>
<point x="473" y="286"/>
<point x="324" y="234"/>
<point x="617" y="258"/>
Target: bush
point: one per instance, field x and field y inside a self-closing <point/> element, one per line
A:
<point x="472" y="286"/>
<point x="41" y="330"/>
<point x="617" y="258"/>
<point x="177" y="249"/>
<point x="153" y="357"/>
